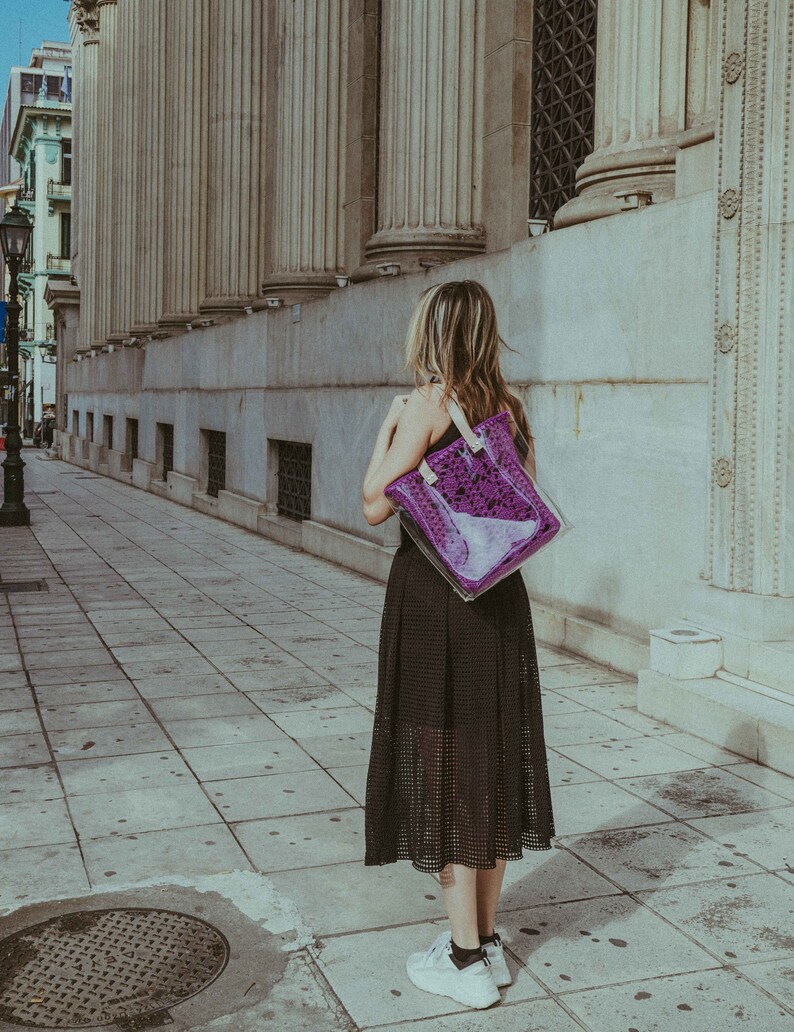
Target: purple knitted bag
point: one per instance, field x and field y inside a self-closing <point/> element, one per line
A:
<point x="472" y="508"/>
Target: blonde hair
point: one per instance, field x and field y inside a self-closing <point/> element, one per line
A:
<point x="453" y="336"/>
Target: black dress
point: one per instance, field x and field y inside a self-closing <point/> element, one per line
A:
<point x="457" y="771"/>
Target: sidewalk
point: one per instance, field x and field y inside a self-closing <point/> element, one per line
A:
<point x="190" y="705"/>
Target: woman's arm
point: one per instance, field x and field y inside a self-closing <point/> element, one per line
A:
<point x="399" y="447"/>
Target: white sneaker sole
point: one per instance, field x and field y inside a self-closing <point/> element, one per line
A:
<point x="479" y="994"/>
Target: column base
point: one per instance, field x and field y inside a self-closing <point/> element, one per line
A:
<point x="603" y="174"/>
<point x="294" y="287"/>
<point x="418" y="250"/>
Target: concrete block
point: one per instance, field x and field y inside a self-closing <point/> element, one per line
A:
<point x="244" y="512"/>
<point x="280" y="528"/>
<point x="118" y="463"/>
<point x="181" y="488"/>
<point x="348" y="549"/>
<point x="685" y="652"/>
<point x="96" y="456"/>
<point x="141" y="473"/>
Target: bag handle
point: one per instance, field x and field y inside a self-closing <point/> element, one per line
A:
<point x="460" y="421"/>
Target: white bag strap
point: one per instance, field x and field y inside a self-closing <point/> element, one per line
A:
<point x="460" y="421"/>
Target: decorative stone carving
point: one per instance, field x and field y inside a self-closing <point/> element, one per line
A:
<point x="726" y="338"/>
<point x="723" y="471"/>
<point x="729" y="203"/>
<point x="734" y="64"/>
<point x="87" y="17"/>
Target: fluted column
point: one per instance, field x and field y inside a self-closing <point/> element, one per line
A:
<point x="127" y="147"/>
<point x="86" y="16"/>
<point x="187" y="58"/>
<point x="75" y="39"/>
<point x="151" y="82"/>
<point x="105" y="172"/>
<point x="431" y="126"/>
<point x="236" y="189"/>
<point x="653" y="69"/>
<point x="308" y="205"/>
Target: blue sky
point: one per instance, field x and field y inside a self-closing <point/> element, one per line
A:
<point x="40" y="20"/>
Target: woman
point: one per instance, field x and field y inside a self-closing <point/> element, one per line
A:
<point x="457" y="779"/>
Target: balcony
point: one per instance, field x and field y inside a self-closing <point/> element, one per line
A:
<point x="27" y="333"/>
<point x="26" y="265"/>
<point x="56" y="263"/>
<point x="58" y="191"/>
<point x="49" y="333"/>
<point x="26" y="193"/>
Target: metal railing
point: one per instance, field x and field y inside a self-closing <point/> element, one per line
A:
<point x="26" y="265"/>
<point x="62" y="191"/>
<point x="27" y="193"/>
<point x="58" y="263"/>
<point x="27" y="333"/>
<point x="50" y="331"/>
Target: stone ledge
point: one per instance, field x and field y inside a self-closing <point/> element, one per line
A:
<point x="736" y="714"/>
<point x="279" y="528"/>
<point x="180" y="488"/>
<point x="237" y="509"/>
<point x="351" y="551"/>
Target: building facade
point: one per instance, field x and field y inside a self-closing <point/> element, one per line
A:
<point x="45" y="81"/>
<point x="254" y="226"/>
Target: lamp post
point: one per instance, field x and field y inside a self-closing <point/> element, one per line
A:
<point x="15" y="230"/>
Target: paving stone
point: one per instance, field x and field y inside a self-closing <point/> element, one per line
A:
<point x="347" y="720"/>
<point x="287" y="700"/>
<point x="143" y="770"/>
<point x="366" y="969"/>
<point x="777" y="978"/>
<point x="703" y="793"/>
<point x="339" y="750"/>
<point x="24" y="784"/>
<point x="22" y="750"/>
<point x="767" y="837"/>
<point x="630" y="758"/>
<point x="144" y="809"/>
<point x="59" y="873"/>
<point x="35" y="823"/>
<point x="599" y="806"/>
<point x="749" y="917"/>
<point x="352" y="779"/>
<point x="224" y="704"/>
<point x="699" y="1002"/>
<point x="94" y="691"/>
<point x="112" y="740"/>
<point x="588" y="943"/>
<point x="94" y="714"/>
<point x="274" y="795"/>
<point x="587" y="726"/>
<point x="224" y="730"/>
<point x="19" y="721"/>
<point x="213" y="762"/>
<point x="572" y="675"/>
<point x="308" y="840"/>
<point x="177" y="852"/>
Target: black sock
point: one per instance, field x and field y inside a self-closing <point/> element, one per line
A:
<point x="461" y="957"/>
<point x="493" y="937"/>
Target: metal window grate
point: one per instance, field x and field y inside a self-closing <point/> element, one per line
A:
<point x="132" y="438"/>
<point x="107" y="431"/>
<point x="563" y="99"/>
<point x="294" y="480"/>
<point x="216" y="462"/>
<point x="167" y="445"/>
<point x="89" y="426"/>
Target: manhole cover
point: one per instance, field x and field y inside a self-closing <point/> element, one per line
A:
<point x="13" y="586"/>
<point x="103" y="967"/>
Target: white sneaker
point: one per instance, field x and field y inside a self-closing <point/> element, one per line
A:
<point x="495" y="953"/>
<point x="434" y="971"/>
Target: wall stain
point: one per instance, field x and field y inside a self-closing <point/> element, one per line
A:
<point x="578" y="399"/>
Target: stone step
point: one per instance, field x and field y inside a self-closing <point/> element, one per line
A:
<point x="744" y="716"/>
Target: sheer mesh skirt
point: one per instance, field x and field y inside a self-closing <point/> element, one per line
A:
<point x="457" y="771"/>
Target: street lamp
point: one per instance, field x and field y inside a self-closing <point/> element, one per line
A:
<point x="15" y="230"/>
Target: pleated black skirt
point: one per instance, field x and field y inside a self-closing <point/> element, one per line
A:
<point x="457" y="771"/>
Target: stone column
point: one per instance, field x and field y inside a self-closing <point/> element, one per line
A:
<point x="187" y="59"/>
<point x="308" y="198"/>
<point x="75" y="39"/>
<point x="87" y="20"/>
<point x="107" y="157"/>
<point x="431" y="127"/>
<point x="238" y="78"/>
<point x="152" y="83"/>
<point x="126" y="169"/>
<point x="652" y="86"/>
